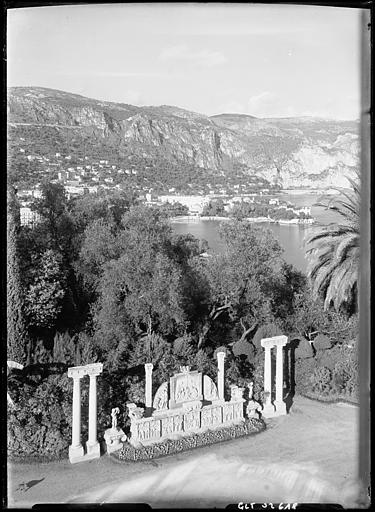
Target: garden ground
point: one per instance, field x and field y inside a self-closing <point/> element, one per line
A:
<point x="307" y="456"/>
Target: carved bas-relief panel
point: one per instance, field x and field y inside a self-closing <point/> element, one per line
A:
<point x="192" y="421"/>
<point x="178" y="423"/>
<point x="206" y="417"/>
<point x="167" y="426"/>
<point x="144" y="431"/>
<point x="185" y="387"/>
<point x="228" y="414"/>
<point x="161" y="398"/>
<point x="155" y="429"/>
<point x="209" y="389"/>
<point x="238" y="411"/>
<point x="217" y="416"/>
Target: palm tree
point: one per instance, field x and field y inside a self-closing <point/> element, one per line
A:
<point x="333" y="252"/>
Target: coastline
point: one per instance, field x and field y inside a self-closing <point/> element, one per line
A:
<point x="258" y="220"/>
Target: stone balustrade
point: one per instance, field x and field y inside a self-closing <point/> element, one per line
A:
<point x="184" y="421"/>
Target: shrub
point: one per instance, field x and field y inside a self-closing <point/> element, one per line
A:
<point x="322" y="342"/>
<point x="64" y="349"/>
<point x="345" y="377"/>
<point x="304" y="350"/>
<point x="304" y="368"/>
<point x="169" y="446"/>
<point x="321" y="379"/>
<point x="40" y="422"/>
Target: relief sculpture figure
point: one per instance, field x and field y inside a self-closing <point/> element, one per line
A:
<point x="161" y="397"/>
<point x="210" y="389"/>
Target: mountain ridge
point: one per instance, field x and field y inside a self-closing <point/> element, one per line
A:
<point x="288" y="152"/>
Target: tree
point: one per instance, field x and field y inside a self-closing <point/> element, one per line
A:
<point x="139" y="288"/>
<point x="56" y="226"/>
<point x="238" y="279"/>
<point x="16" y="327"/>
<point x="44" y="297"/>
<point x="309" y="319"/>
<point x="333" y="252"/>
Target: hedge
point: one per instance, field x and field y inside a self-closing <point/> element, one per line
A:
<point x="172" y="446"/>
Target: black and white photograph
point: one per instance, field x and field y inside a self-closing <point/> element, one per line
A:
<point x="187" y="255"/>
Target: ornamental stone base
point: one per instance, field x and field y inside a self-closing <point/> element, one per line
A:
<point x="93" y="450"/>
<point x="114" y="439"/>
<point x="280" y="407"/>
<point x="268" y="411"/>
<point x="76" y="454"/>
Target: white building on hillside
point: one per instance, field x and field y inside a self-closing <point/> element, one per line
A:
<point x="195" y="204"/>
<point x="28" y="217"/>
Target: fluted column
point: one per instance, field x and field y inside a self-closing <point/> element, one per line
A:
<point x="76" y="449"/>
<point x="220" y="374"/>
<point x="268" y="408"/>
<point x="148" y="387"/>
<point x="76" y="413"/>
<point x="92" y="445"/>
<point x="280" y="406"/>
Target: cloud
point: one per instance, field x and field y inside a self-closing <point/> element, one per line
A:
<point x="184" y="54"/>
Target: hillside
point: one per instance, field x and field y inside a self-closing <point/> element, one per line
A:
<point x="174" y="147"/>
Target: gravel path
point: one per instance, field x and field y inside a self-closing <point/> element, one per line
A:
<point x="309" y="455"/>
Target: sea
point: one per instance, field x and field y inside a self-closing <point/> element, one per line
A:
<point x="291" y="236"/>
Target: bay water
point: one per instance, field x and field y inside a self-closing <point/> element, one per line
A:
<point x="291" y="236"/>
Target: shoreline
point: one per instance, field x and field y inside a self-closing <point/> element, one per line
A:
<point x="259" y="220"/>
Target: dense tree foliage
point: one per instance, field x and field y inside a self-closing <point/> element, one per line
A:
<point x="112" y="276"/>
<point x="16" y="327"/>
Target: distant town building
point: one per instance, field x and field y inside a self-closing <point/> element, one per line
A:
<point x="28" y="217"/>
<point x="195" y="204"/>
<point x="75" y="191"/>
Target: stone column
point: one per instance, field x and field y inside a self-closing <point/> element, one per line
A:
<point x="220" y="374"/>
<point x="92" y="445"/>
<point x="76" y="448"/>
<point x="280" y="342"/>
<point x="268" y="408"/>
<point x="148" y="387"/>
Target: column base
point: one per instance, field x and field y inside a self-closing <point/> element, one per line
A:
<point x="280" y="407"/>
<point x="268" y="411"/>
<point x="76" y="453"/>
<point x="93" y="450"/>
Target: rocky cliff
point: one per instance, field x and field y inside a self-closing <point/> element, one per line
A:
<point x="295" y="152"/>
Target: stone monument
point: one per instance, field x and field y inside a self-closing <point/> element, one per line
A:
<point x="190" y="402"/>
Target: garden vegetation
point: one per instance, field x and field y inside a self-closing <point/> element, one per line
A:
<point x="103" y="278"/>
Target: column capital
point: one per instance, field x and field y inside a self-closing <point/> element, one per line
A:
<point x="281" y="341"/>
<point x="220" y="356"/>
<point x="149" y="367"/>
<point x="94" y="369"/>
<point x="77" y="372"/>
<point x="274" y="341"/>
<point x="267" y="343"/>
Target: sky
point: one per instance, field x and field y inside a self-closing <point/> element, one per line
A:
<point x="262" y="60"/>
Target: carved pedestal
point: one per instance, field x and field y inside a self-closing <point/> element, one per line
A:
<point x="114" y="439"/>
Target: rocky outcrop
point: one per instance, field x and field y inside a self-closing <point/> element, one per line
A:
<point x="296" y="152"/>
